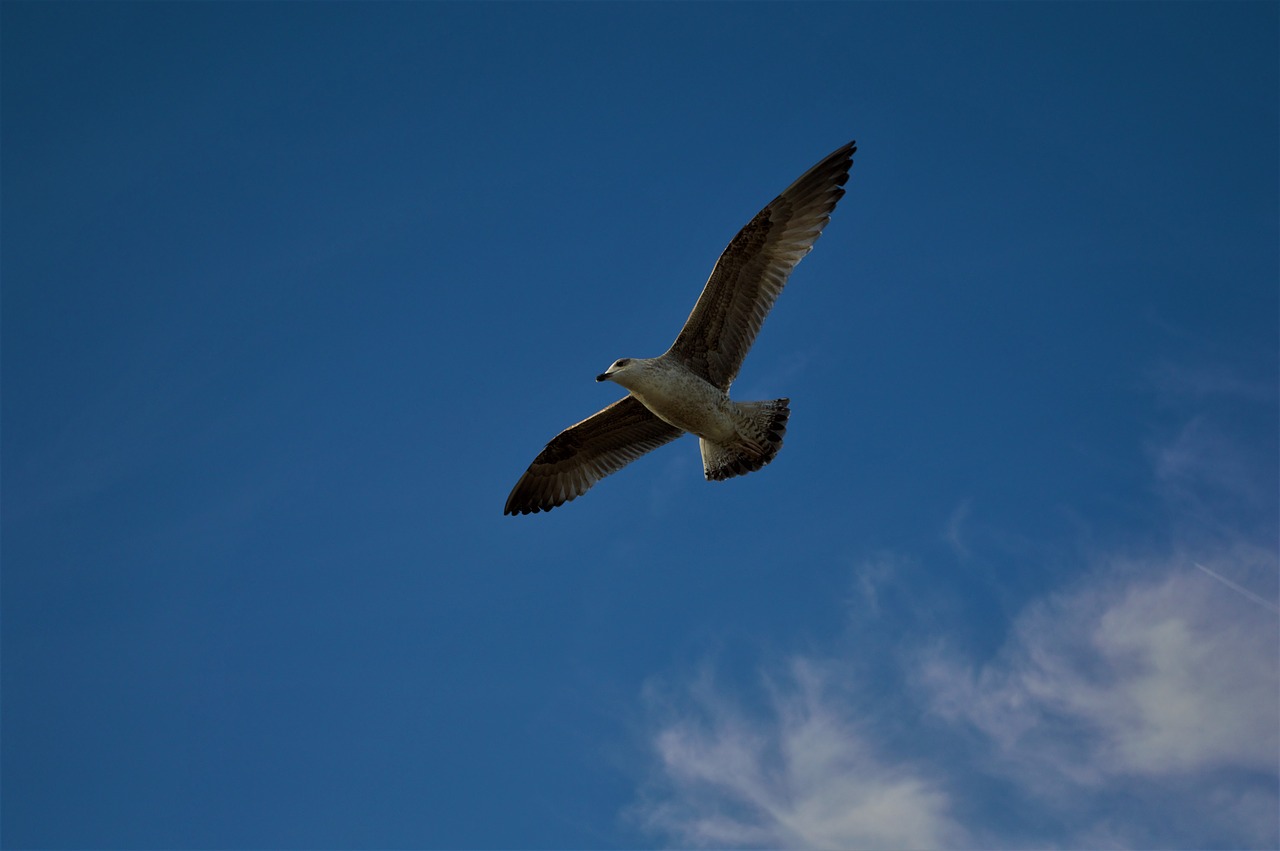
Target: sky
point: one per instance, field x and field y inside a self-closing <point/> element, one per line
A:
<point x="293" y="293"/>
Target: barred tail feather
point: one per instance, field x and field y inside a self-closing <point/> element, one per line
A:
<point x="766" y="423"/>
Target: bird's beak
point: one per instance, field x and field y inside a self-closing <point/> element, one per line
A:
<point x="604" y="376"/>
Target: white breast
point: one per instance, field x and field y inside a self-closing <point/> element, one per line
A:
<point x="684" y="400"/>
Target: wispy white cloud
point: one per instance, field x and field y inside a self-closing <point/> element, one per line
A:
<point x="1148" y="678"/>
<point x="1149" y="681"/>
<point x="804" y="774"/>
<point x="872" y="575"/>
<point x="1138" y="705"/>
<point x="954" y="530"/>
<point x="1201" y="462"/>
<point x="1156" y="675"/>
<point x="1182" y="383"/>
<point x="1216" y="470"/>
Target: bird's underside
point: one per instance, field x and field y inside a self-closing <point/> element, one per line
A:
<point x="709" y="350"/>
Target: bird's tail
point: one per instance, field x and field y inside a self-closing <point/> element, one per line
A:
<point x="758" y="440"/>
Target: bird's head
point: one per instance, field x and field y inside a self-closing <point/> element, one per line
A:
<point x="617" y="369"/>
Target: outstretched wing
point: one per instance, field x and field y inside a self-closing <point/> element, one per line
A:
<point x="754" y="268"/>
<point x="585" y="453"/>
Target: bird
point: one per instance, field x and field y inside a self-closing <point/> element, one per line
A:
<point x="686" y="389"/>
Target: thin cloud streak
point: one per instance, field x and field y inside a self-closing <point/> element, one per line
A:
<point x="1233" y="586"/>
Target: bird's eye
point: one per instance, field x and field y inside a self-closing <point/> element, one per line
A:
<point x="623" y="362"/>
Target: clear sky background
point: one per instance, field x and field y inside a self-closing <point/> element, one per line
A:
<point x="293" y="294"/>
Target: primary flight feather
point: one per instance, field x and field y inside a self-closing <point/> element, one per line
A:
<point x="686" y="389"/>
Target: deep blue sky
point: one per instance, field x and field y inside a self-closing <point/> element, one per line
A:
<point x="293" y="293"/>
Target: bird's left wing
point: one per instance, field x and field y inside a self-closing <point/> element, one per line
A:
<point x="754" y="268"/>
<point x="585" y="453"/>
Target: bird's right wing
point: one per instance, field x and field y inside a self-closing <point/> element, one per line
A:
<point x="585" y="453"/>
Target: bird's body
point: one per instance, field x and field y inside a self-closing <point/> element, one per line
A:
<point x="678" y="397"/>
<point x="735" y="437"/>
<point x="686" y="389"/>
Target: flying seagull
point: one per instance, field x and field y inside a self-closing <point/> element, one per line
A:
<point x="686" y="389"/>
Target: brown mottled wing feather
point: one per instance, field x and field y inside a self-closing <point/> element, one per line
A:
<point x="754" y="268"/>
<point x="585" y="453"/>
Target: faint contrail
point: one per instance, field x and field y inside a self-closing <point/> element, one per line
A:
<point x="1245" y="591"/>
